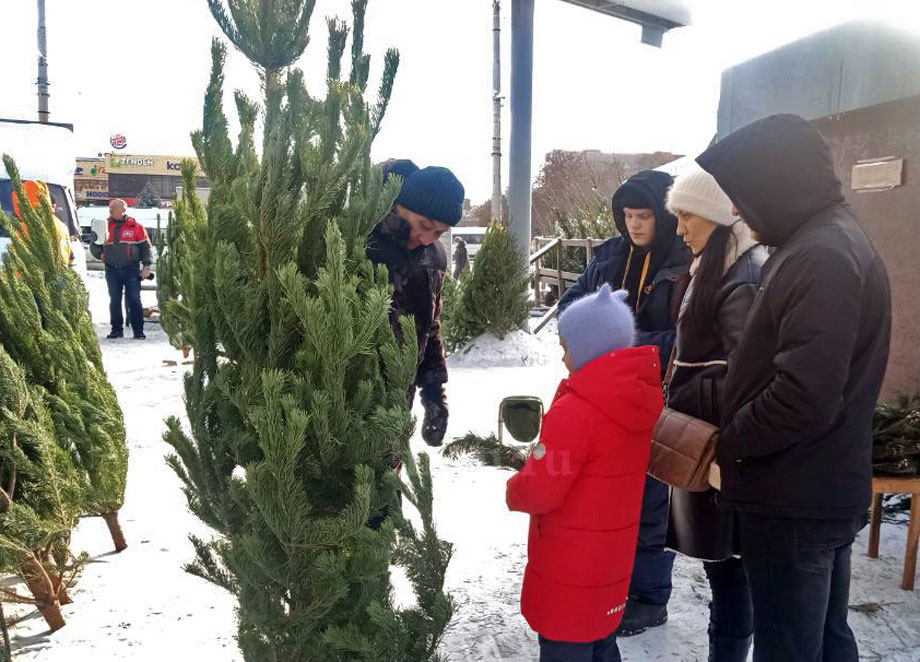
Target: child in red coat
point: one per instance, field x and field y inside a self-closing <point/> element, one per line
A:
<point x="582" y="485"/>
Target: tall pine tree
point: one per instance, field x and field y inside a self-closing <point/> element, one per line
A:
<point x="297" y="397"/>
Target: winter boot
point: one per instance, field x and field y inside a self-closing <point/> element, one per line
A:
<point x="115" y="335"/>
<point x="640" y="616"/>
<point x="434" y="425"/>
<point x="729" y="649"/>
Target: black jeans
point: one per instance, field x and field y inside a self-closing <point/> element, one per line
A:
<point x="651" y="577"/>
<point x="129" y="280"/>
<point x="799" y="571"/>
<point x="731" y="615"/>
<point x="603" y="650"/>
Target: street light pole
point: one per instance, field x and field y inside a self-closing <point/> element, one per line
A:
<point x="42" y="65"/>
<point x="496" y="113"/>
<point x="521" y="116"/>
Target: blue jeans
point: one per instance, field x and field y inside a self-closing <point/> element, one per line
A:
<point x="603" y="650"/>
<point x="129" y="280"/>
<point x="799" y="571"/>
<point x="651" y="577"/>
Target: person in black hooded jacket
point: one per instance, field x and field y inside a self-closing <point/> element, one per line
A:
<point x="651" y="263"/>
<point x="796" y="439"/>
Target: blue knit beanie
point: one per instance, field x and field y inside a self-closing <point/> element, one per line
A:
<point x="400" y="167"/>
<point x="433" y="192"/>
<point x="597" y="324"/>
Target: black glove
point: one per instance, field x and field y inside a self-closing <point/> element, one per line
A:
<point x="434" y="425"/>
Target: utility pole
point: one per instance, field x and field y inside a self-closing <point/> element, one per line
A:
<point x="496" y="113"/>
<point x="42" y="65"/>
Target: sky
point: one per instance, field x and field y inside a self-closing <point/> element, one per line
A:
<point x="140" y="67"/>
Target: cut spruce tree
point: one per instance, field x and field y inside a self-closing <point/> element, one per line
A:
<point x="47" y="331"/>
<point x="494" y="298"/>
<point x="41" y="497"/>
<point x="297" y="398"/>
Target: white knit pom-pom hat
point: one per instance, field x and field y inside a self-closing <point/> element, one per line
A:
<point x="697" y="192"/>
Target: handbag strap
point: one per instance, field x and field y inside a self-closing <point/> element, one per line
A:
<point x="666" y="384"/>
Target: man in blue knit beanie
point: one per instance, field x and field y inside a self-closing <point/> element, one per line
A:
<point x="406" y="241"/>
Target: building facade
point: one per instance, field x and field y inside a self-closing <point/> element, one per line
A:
<point x="142" y="179"/>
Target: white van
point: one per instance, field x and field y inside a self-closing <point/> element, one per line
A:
<point x="43" y="152"/>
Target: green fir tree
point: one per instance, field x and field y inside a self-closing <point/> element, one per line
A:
<point x="495" y="296"/>
<point x="41" y="497"/>
<point x="46" y="329"/>
<point x="297" y="397"/>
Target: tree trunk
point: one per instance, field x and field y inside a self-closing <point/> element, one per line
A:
<point x="35" y="577"/>
<point x="57" y="583"/>
<point x="115" y="529"/>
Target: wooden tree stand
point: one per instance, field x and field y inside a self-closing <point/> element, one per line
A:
<point x="880" y="487"/>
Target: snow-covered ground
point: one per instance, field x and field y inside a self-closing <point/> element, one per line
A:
<point x="140" y="605"/>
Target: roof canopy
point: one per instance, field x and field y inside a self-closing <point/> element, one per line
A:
<point x="851" y="66"/>
<point x="655" y="16"/>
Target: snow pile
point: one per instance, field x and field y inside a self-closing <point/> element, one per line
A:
<point x="517" y="349"/>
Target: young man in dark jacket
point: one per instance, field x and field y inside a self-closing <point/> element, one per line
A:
<point x="796" y="440"/>
<point x="407" y="241"/>
<point x="651" y="263"/>
<point x="126" y="254"/>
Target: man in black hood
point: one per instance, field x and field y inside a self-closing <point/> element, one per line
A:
<point x="648" y="261"/>
<point x="796" y="439"/>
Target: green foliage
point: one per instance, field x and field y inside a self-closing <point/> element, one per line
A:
<point x="46" y="329"/>
<point x="896" y="437"/>
<point x="41" y="491"/>
<point x="488" y="450"/>
<point x="147" y="197"/>
<point x="452" y="334"/>
<point x="297" y="397"/>
<point x="494" y="298"/>
<point x="592" y="220"/>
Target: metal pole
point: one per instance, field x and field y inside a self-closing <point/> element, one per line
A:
<point x="42" y="65"/>
<point x="496" y="113"/>
<point x="521" y="113"/>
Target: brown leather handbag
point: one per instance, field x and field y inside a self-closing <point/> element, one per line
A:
<point x="683" y="447"/>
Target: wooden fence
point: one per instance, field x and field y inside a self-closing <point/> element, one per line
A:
<point x="549" y="249"/>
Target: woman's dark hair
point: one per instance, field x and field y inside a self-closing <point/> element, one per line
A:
<point x="697" y="319"/>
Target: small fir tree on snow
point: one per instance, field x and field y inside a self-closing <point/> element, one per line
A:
<point x="495" y="297"/>
<point x="297" y="397"/>
<point x="46" y="329"/>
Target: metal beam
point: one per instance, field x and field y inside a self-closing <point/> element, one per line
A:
<point x="626" y="13"/>
<point x="519" y="195"/>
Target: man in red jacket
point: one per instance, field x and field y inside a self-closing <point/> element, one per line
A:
<point x="126" y="254"/>
<point x="584" y="480"/>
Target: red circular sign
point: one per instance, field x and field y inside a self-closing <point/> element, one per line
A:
<point x="118" y="141"/>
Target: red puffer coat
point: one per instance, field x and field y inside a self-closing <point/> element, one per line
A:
<point x="583" y="489"/>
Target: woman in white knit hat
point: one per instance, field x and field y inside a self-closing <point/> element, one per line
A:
<point x="724" y="277"/>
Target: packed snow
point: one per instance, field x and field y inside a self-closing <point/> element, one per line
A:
<point x="141" y="605"/>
